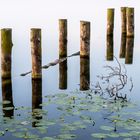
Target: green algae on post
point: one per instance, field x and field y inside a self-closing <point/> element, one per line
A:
<point x="62" y="38"/>
<point x="84" y="39"/>
<point x="6" y="50"/>
<point x="36" y="53"/>
<point x="110" y="21"/>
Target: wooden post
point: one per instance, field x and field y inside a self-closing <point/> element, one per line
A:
<point x="123" y="46"/>
<point x="84" y="39"/>
<point x="84" y="74"/>
<point x="6" y="50"/>
<point x="63" y="75"/>
<point x="36" y="53"/>
<point x="123" y="19"/>
<point x="7" y="96"/>
<point x="129" y="50"/>
<point x="36" y="100"/>
<point x="130" y="22"/>
<point x="36" y="93"/>
<point x="62" y="38"/>
<point x="110" y="21"/>
<point x="110" y="48"/>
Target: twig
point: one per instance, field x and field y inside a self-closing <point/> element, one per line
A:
<point x="57" y="61"/>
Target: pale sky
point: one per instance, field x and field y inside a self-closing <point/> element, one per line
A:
<point x="26" y="12"/>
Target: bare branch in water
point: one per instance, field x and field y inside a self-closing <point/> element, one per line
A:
<point x="57" y="61"/>
<point x="118" y="73"/>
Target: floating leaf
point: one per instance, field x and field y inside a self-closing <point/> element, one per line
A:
<point x="42" y="130"/>
<point x="127" y="139"/>
<point x="49" y="138"/>
<point x="99" y="135"/>
<point x="113" y="135"/>
<point x="2" y="133"/>
<point x="107" y="128"/>
<point x="19" y="134"/>
<point x="123" y="134"/>
<point x="25" y="135"/>
<point x="67" y="136"/>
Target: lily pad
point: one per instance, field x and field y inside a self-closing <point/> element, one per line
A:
<point x="67" y="136"/>
<point x="99" y="135"/>
<point x="107" y="128"/>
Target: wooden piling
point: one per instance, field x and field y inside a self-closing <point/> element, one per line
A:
<point x="84" y="74"/>
<point x="123" y="46"/>
<point x="110" y="21"/>
<point x="36" y="93"/>
<point x="63" y="75"/>
<point x="123" y="19"/>
<point x="110" y="48"/>
<point x="84" y="39"/>
<point x="6" y="50"/>
<point x="62" y="38"/>
<point x="36" y="100"/>
<point x="130" y="22"/>
<point x="129" y="50"/>
<point x="36" y="53"/>
<point x="7" y="96"/>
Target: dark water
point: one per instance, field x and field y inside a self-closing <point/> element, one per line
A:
<point x="56" y="107"/>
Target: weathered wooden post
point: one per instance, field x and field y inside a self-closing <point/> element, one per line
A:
<point x="84" y="74"/>
<point x="123" y="19"/>
<point x="7" y="96"/>
<point x="110" y="21"/>
<point x="84" y="39"/>
<point x="6" y="50"/>
<point x="62" y="38"/>
<point x="129" y="50"/>
<point x="130" y="22"/>
<point x="36" y="100"/>
<point x="36" y="93"/>
<point x="36" y="53"/>
<point x="63" y="75"/>
<point x="123" y="46"/>
<point x="110" y="48"/>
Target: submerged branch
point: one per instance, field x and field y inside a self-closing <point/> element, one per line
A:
<point x="57" y="61"/>
<point x="117" y="74"/>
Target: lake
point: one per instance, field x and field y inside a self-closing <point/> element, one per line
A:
<point x="74" y="99"/>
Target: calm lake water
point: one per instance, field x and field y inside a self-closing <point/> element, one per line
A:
<point x="55" y="107"/>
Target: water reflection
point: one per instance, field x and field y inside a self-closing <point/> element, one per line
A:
<point x="63" y="75"/>
<point x="123" y="46"/>
<point x="36" y="100"/>
<point x="84" y="74"/>
<point x="129" y="50"/>
<point x="109" y="51"/>
<point x="7" y="98"/>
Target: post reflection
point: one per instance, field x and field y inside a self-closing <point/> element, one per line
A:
<point x="123" y="46"/>
<point x="84" y="74"/>
<point x="129" y="50"/>
<point x="36" y="100"/>
<point x="7" y="98"/>
<point x="63" y="75"/>
<point x="109" y="49"/>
